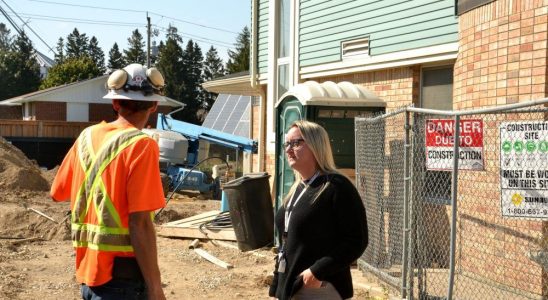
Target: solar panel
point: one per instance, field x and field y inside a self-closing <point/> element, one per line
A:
<point x="230" y="114"/>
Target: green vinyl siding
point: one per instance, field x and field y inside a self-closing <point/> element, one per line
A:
<point x="262" y="37"/>
<point x="392" y="26"/>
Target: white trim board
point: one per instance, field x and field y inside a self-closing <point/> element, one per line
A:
<point x="385" y="61"/>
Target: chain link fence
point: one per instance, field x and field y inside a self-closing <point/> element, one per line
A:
<point x="492" y="242"/>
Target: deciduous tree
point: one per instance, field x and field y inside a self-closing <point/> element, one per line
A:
<point x="72" y="70"/>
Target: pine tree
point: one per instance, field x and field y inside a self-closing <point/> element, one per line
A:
<point x="5" y="38"/>
<point x="170" y="64"/>
<point x="192" y="92"/>
<point x="135" y="53"/>
<point x="213" y="68"/>
<point x="96" y="54"/>
<point x="239" y="60"/>
<point x="19" y="70"/>
<point x="115" y="58"/>
<point x="77" y="44"/>
<point x="60" y="55"/>
<point x="5" y="49"/>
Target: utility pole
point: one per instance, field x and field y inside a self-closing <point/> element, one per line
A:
<point x="148" y="41"/>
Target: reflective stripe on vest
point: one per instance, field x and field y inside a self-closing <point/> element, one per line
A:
<point x="108" y="234"/>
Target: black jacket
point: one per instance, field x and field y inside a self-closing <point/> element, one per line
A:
<point x="326" y="235"/>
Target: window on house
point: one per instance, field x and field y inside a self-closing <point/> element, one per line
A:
<point x="284" y="29"/>
<point x="283" y="79"/>
<point x="284" y="42"/>
<point x="437" y="88"/>
<point x="437" y="93"/>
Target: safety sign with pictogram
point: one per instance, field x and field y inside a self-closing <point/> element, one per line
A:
<point x="524" y="169"/>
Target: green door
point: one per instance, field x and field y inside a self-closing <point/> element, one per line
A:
<point x="288" y="112"/>
<point x="339" y="124"/>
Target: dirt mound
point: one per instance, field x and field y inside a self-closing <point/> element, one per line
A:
<point x="49" y="175"/>
<point x="19" y="172"/>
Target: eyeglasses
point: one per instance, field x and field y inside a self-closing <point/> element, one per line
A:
<point x="292" y="143"/>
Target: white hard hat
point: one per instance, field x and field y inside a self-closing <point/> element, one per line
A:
<point x="135" y="82"/>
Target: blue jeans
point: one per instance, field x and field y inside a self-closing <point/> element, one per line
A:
<point x="116" y="289"/>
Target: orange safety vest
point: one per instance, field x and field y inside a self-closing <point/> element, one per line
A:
<point x="106" y="232"/>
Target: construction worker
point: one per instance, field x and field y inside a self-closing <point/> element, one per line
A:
<point x="112" y="177"/>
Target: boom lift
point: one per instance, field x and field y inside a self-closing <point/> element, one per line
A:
<point x="179" y="142"/>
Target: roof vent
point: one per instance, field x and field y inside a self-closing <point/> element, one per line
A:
<point x="353" y="48"/>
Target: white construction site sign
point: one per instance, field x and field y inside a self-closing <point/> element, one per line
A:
<point x="524" y="169"/>
<point x="440" y="143"/>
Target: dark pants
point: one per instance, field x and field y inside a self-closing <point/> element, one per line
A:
<point x="116" y="289"/>
<point x="127" y="283"/>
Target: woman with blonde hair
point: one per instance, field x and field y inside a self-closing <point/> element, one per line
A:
<point x="322" y="223"/>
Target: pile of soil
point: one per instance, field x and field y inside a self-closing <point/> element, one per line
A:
<point x="25" y="199"/>
<point x="19" y="172"/>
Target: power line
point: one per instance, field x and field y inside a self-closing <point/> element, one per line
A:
<point x="201" y="40"/>
<point x="15" y="26"/>
<point x="196" y="36"/>
<point x="188" y="22"/>
<point x="132" y="10"/>
<point x="83" y="21"/>
<point x="88" y="6"/>
<point x="113" y="23"/>
<point x="30" y="28"/>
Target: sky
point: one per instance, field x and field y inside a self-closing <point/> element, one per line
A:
<point x="207" y="22"/>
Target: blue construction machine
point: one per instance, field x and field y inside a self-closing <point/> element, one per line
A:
<point x="179" y="143"/>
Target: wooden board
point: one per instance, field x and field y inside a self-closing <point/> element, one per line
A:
<point x="189" y="228"/>
<point x="42" y="129"/>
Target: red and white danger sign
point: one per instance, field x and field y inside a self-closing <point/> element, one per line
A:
<point x="440" y="142"/>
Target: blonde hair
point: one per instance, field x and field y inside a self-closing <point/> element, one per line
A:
<point x="317" y="140"/>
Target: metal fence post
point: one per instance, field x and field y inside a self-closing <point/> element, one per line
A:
<point x="454" y="187"/>
<point x="406" y="225"/>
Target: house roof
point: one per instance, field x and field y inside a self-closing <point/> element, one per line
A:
<point x="333" y="94"/>
<point x="86" y="91"/>
<point x="43" y="60"/>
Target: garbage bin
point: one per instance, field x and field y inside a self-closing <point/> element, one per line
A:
<point x="251" y="210"/>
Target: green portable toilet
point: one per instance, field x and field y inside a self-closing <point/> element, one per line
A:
<point x="332" y="105"/>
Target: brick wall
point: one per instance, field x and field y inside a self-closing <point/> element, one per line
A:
<point x="255" y="134"/>
<point x="502" y="60"/>
<point x="502" y="57"/>
<point x="397" y="87"/>
<point x="101" y="112"/>
<point x="11" y="112"/>
<point x="50" y="111"/>
<point x="104" y="112"/>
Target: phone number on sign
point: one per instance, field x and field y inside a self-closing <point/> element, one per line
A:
<point x="527" y="211"/>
